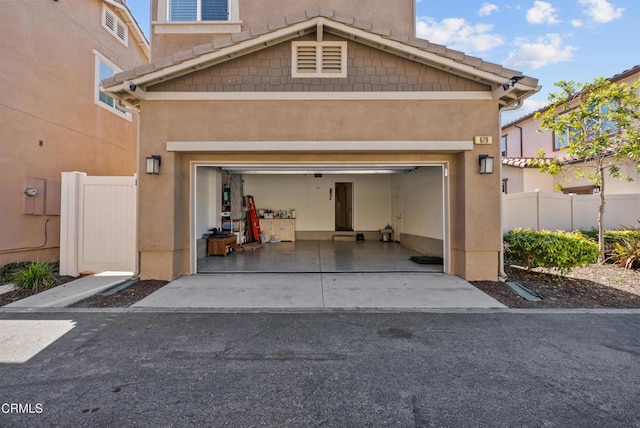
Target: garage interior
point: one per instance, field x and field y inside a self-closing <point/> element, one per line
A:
<point x="320" y="218"/>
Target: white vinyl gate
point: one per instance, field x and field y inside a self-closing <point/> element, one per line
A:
<point x="98" y="224"/>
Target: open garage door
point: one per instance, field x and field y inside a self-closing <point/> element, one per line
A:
<point x="298" y="210"/>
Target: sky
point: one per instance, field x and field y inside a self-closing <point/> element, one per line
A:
<point x="549" y="40"/>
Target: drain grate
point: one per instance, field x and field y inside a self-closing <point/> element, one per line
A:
<point x="523" y="292"/>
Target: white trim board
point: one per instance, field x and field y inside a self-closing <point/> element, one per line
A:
<point x="307" y="146"/>
<point x="319" y="96"/>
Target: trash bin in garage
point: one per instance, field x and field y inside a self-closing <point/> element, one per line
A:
<point x="387" y="234"/>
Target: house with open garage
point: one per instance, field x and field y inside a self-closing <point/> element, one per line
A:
<point x="314" y="125"/>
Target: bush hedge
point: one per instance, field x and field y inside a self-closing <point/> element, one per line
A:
<point x="613" y="236"/>
<point x="559" y="250"/>
<point x="620" y="246"/>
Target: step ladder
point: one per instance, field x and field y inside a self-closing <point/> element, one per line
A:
<point x="253" y="218"/>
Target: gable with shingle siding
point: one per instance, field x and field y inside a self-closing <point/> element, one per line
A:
<point x="269" y="70"/>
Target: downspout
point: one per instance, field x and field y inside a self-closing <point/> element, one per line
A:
<point x="137" y="272"/>
<point x="136" y="112"/>
<point x="502" y="275"/>
<point x="521" y="142"/>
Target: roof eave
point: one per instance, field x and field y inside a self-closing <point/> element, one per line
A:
<point x="133" y="24"/>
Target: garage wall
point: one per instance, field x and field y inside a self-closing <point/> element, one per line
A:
<point x="208" y="199"/>
<point x="309" y="196"/>
<point x="422" y="210"/>
<point x="422" y="202"/>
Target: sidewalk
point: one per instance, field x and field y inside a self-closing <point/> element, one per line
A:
<point x="71" y="292"/>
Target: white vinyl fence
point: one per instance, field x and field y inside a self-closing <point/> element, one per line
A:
<point x="98" y="224"/>
<point x="555" y="211"/>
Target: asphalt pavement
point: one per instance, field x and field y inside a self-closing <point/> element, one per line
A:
<point x="329" y="369"/>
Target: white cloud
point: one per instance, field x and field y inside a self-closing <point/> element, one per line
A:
<point x="548" y="49"/>
<point x="457" y="33"/>
<point x="601" y="10"/>
<point x="487" y="9"/>
<point x="542" y="13"/>
<point x="577" y="23"/>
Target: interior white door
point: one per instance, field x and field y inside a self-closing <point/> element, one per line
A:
<point x="397" y="213"/>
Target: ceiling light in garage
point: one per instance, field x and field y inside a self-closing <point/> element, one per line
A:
<point x="315" y="169"/>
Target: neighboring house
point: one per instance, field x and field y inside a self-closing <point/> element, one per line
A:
<point x="53" y="117"/>
<point x="521" y="141"/>
<point x="304" y="97"/>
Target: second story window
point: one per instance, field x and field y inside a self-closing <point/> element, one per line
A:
<point x="198" y="10"/>
<point x="561" y="140"/>
<point x="599" y="124"/>
<point x="105" y="69"/>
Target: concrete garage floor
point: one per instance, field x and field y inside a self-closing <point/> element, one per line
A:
<point x="319" y="257"/>
<point x="319" y="275"/>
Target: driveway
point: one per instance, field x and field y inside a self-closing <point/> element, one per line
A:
<point x="496" y="369"/>
<point x="395" y="290"/>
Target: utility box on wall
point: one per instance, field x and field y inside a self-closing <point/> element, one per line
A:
<point x="42" y="196"/>
<point x="34" y="192"/>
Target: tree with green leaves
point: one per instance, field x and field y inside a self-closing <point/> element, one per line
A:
<point x="598" y="125"/>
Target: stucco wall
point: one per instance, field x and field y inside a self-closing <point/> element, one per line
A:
<point x="628" y="183"/>
<point x="531" y="179"/>
<point x="47" y="96"/>
<point x="397" y="15"/>
<point x="526" y="142"/>
<point x="164" y="199"/>
<point x="514" y="177"/>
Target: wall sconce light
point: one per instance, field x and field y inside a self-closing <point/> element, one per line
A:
<point x="153" y="164"/>
<point x="486" y="164"/>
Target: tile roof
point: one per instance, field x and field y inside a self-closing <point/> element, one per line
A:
<point x="525" y="162"/>
<point x="517" y="162"/>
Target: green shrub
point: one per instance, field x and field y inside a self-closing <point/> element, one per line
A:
<point x="34" y="276"/>
<point x="7" y="271"/>
<point x="612" y="238"/>
<point x="613" y="235"/>
<point x="626" y="252"/>
<point x="562" y="251"/>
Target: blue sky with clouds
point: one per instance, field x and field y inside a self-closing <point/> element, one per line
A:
<point x="549" y="40"/>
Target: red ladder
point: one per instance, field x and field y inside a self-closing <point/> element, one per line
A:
<point x="253" y="217"/>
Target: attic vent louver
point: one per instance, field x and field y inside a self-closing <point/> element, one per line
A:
<point x="319" y="59"/>
<point x="115" y="25"/>
<point x="109" y="20"/>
